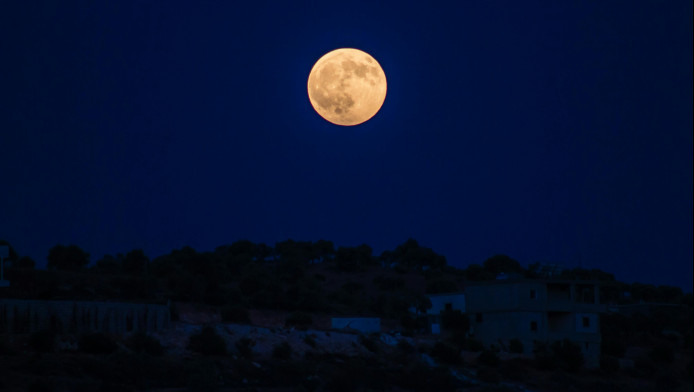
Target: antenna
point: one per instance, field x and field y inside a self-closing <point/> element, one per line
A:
<point x="4" y="253"/>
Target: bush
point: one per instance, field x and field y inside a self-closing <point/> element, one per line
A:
<point x="662" y="354"/>
<point x="455" y="320"/>
<point x="405" y="346"/>
<point x="207" y="342"/>
<point x="244" y="345"/>
<point x="472" y="344"/>
<point x="299" y="320"/>
<point x="310" y="340"/>
<point x="97" y="343"/>
<point x="140" y="342"/>
<point x="488" y="375"/>
<point x="5" y="349"/>
<point x="445" y="353"/>
<point x="568" y="355"/>
<point x="544" y="359"/>
<point x="42" y="341"/>
<point x="612" y="347"/>
<point x="488" y="358"/>
<point x="282" y="351"/>
<point x="414" y="324"/>
<point x="609" y="364"/>
<point x="235" y="314"/>
<point x="369" y="342"/>
<point x="515" y="346"/>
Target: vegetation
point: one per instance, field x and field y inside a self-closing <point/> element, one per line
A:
<point x="140" y="342"/>
<point x="97" y="343"/>
<point x="42" y="341"/>
<point x="515" y="346"/>
<point x="207" y="342"/>
<point x="245" y="348"/>
<point x="282" y="351"/>
<point x="307" y="280"/>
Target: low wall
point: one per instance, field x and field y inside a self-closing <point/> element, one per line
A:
<point x="361" y="324"/>
<point x="24" y="316"/>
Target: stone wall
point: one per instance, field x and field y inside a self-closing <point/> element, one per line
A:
<point x="24" y="316"/>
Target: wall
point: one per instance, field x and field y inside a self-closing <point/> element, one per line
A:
<point x="361" y="324"/>
<point x="439" y="301"/>
<point x="24" y="316"/>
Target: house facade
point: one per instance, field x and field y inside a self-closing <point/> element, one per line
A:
<point x="441" y="303"/>
<point x="537" y="310"/>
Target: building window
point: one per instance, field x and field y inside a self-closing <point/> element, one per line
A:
<point x="449" y="306"/>
<point x="533" y="294"/>
<point x="479" y="318"/>
<point x="586" y="322"/>
<point x="533" y="326"/>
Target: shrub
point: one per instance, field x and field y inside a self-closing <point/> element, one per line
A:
<point x="612" y="347"/>
<point x="385" y="283"/>
<point x="609" y="364"/>
<point x="299" y="320"/>
<point x="515" y="346"/>
<point x="568" y="355"/>
<point x="235" y="314"/>
<point x="42" y="341"/>
<point x="207" y="342"/>
<point x="455" y="320"/>
<point x="140" y="342"/>
<point x="310" y="340"/>
<point x="282" y="351"/>
<point x="412" y="323"/>
<point x="5" y="348"/>
<point x="488" y="375"/>
<point x="244" y="345"/>
<point x="643" y="367"/>
<point x="369" y="342"/>
<point x="472" y="344"/>
<point x="445" y="353"/>
<point x="662" y="354"/>
<point x="405" y="346"/>
<point x="543" y="356"/>
<point x="97" y="343"/>
<point x="488" y="358"/>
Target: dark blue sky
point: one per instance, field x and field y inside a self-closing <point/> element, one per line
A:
<point x="549" y="131"/>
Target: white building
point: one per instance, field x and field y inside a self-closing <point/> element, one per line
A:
<point x="441" y="303"/>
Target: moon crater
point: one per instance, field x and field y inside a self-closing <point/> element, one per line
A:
<point x="347" y="86"/>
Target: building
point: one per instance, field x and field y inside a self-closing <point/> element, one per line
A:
<point x="441" y="303"/>
<point x="26" y="316"/>
<point x="537" y="310"/>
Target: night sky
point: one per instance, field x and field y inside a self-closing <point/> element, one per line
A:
<point x="553" y="131"/>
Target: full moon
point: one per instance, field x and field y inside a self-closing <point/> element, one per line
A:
<point x="347" y="86"/>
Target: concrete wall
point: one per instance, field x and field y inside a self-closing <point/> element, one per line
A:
<point x="501" y="311"/>
<point x="508" y="296"/>
<point x="500" y="327"/>
<point x="24" y="316"/>
<point x="361" y="324"/>
<point x="439" y="302"/>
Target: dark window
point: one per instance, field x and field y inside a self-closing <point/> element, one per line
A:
<point x="449" y="306"/>
<point x="533" y="326"/>
<point x="479" y="318"/>
<point x="586" y="322"/>
<point x="533" y="294"/>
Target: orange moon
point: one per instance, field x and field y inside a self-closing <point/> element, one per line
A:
<point x="347" y="86"/>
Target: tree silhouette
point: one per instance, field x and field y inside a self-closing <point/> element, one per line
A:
<point x="502" y="263"/>
<point x="67" y="258"/>
<point x="135" y="262"/>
